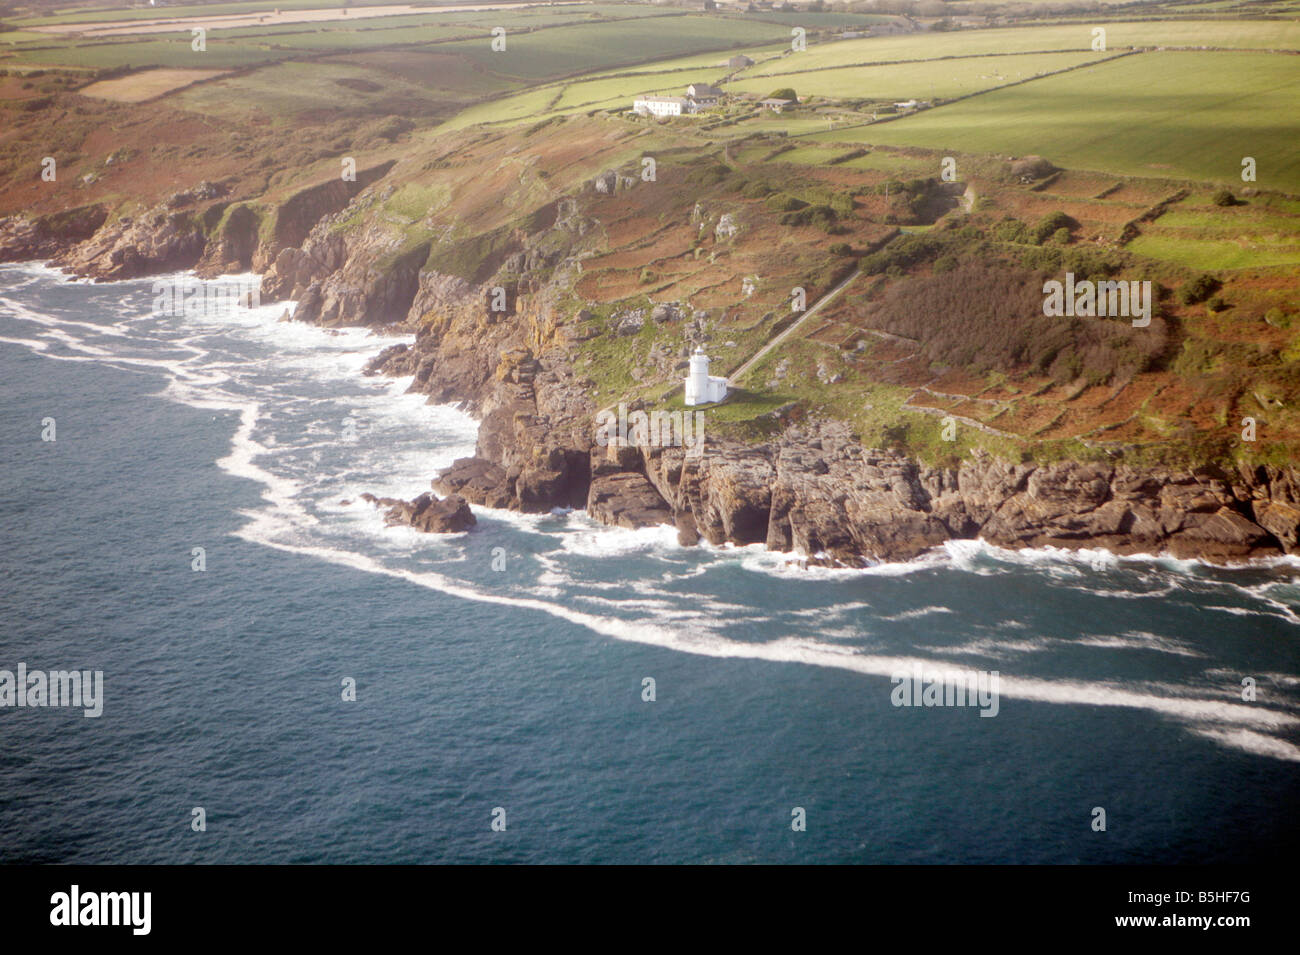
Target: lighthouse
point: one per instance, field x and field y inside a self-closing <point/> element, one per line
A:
<point x="701" y="387"/>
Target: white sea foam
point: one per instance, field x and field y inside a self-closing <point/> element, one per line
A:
<point x="1249" y="741"/>
<point x="593" y="539"/>
<point x="286" y="523"/>
<point x="919" y="612"/>
<point x="1137" y="640"/>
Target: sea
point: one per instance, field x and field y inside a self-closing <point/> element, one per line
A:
<point x="285" y="679"/>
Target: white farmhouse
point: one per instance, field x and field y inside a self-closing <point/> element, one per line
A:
<point x="661" y="105"/>
<point x="701" y="387"/>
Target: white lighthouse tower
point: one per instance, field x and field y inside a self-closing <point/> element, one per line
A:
<point x="701" y="387"/>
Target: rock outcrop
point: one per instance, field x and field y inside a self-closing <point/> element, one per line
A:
<point x="813" y="489"/>
<point x="497" y="338"/>
<point x="23" y="239"/>
<point x="450" y="515"/>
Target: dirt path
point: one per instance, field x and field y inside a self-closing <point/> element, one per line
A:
<point x="736" y="375"/>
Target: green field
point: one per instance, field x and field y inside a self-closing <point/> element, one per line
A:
<point x="250" y="45"/>
<point x="924" y="79"/>
<point x="565" y="51"/>
<point x="1241" y="34"/>
<point x="285" y="90"/>
<point x="1215" y="254"/>
<point x="1257" y="232"/>
<point x="1168" y="115"/>
<point x="174" y="51"/>
<point x="104" y="14"/>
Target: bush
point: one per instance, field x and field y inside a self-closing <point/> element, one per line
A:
<point x="392" y="127"/>
<point x="821" y="216"/>
<point x="783" y="202"/>
<point x="784" y="92"/>
<point x="1224" y="198"/>
<point x="710" y="174"/>
<point x="1050" y="224"/>
<point x="1010" y="230"/>
<point x="945" y="263"/>
<point x="1061" y="237"/>
<point x="1216" y="304"/>
<point x="841" y="248"/>
<point x="842" y="203"/>
<point x="908" y="250"/>
<point x="1199" y="289"/>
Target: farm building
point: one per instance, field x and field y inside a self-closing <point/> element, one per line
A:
<point x="703" y="94"/>
<point x="739" y="62"/>
<point x="661" y="105"/>
<point x="775" y="105"/>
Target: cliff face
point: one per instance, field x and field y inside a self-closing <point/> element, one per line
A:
<point x="812" y="488"/>
<point x="44" y="237"/>
<point x="198" y="228"/>
<point x="818" y="491"/>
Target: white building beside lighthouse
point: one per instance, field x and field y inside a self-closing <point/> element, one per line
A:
<point x="701" y="387"/>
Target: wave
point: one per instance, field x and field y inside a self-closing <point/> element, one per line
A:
<point x="290" y="520"/>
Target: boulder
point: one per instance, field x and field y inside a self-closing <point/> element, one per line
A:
<point x="427" y="513"/>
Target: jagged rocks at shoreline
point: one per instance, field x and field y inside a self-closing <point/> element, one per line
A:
<point x="812" y="488"/>
<point x="450" y="515"/>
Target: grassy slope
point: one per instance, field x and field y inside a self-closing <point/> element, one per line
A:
<point x="1206" y="106"/>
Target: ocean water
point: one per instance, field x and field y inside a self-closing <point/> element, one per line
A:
<point x="504" y="668"/>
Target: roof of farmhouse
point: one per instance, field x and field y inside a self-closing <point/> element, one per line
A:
<point x="660" y="99"/>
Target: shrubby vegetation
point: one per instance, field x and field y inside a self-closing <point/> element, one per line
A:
<point x="1199" y="289"/>
<point x="990" y="319"/>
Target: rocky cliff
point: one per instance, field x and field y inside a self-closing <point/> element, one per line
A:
<point x="812" y="488"/>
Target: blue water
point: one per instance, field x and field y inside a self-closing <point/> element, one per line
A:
<point x="520" y="688"/>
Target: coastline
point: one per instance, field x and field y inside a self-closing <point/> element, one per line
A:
<point x="811" y="489"/>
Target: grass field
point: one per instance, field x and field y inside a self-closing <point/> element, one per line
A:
<point x="174" y="52"/>
<point x="565" y="51"/>
<point x="287" y="90"/>
<point x="1257" y="232"/>
<point x="1215" y="254"/>
<point x="1246" y="35"/>
<point x="924" y="79"/>
<point x="106" y="14"/>
<point x="138" y="87"/>
<point x="268" y="43"/>
<point x="1171" y="115"/>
